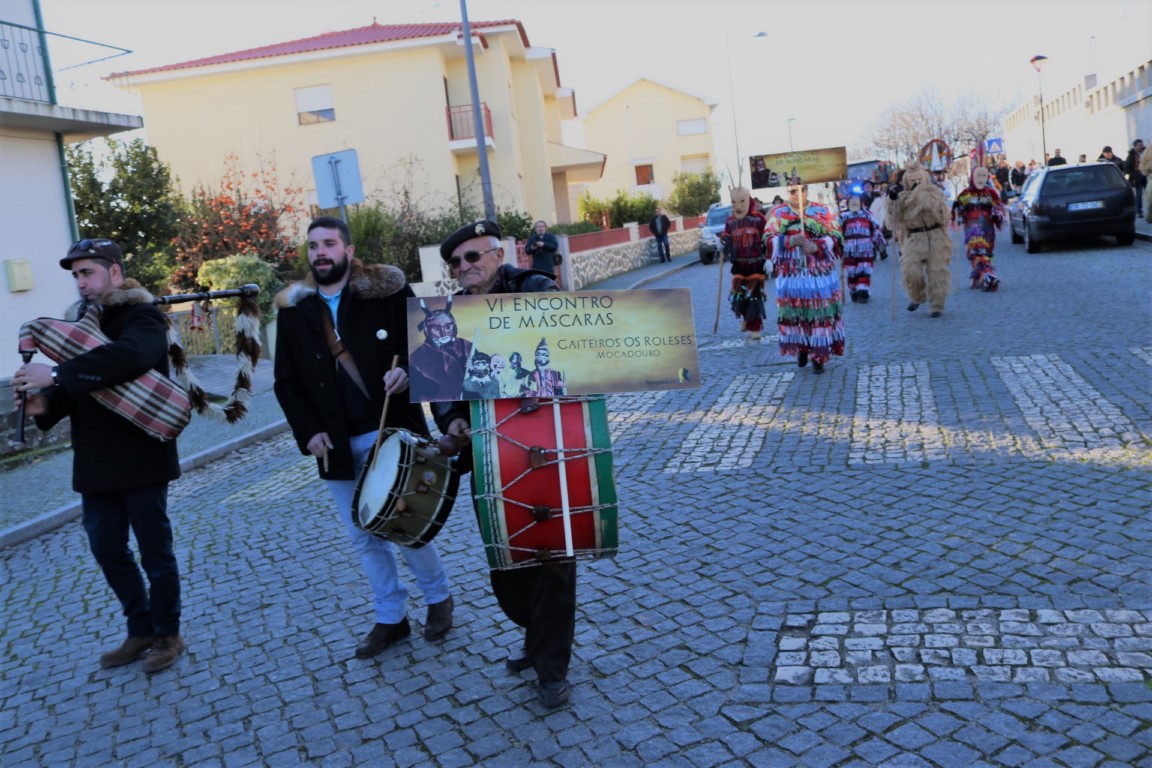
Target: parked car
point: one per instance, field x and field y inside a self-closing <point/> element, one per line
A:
<point x="710" y="247"/>
<point x="1068" y="201"/>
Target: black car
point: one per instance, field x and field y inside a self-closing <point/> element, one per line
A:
<point x="1067" y="201"/>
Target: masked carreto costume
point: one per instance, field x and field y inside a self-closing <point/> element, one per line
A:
<point x="863" y="239"/>
<point x="979" y="210"/>
<point x="808" y="293"/>
<point x="743" y="244"/>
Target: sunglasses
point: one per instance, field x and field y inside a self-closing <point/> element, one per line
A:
<point x="470" y="256"/>
<point x="89" y="246"/>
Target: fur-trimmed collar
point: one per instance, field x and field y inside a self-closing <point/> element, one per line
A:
<point x="371" y="281"/>
<point x="129" y="293"/>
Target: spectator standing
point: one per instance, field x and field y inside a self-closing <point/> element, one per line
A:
<point x="1057" y="159"/>
<point x="1139" y="180"/>
<point x="544" y="249"/>
<point x="659" y="226"/>
<point x="1145" y="168"/>
<point x="1003" y="176"/>
<point x="1106" y="156"/>
<point x="1018" y="176"/>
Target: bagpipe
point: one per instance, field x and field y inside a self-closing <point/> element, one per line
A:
<point x="160" y="405"/>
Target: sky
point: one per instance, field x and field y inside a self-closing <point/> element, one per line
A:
<point x="830" y="66"/>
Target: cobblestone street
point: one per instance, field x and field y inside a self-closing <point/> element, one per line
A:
<point x="936" y="554"/>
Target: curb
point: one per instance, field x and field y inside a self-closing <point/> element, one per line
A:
<point x="50" y="521"/>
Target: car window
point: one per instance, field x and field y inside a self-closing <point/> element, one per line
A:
<point x="1089" y="178"/>
<point x="718" y="216"/>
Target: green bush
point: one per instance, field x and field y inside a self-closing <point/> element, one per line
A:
<point x="624" y="208"/>
<point x="517" y="224"/>
<point x="242" y="269"/>
<point x="575" y="228"/>
<point x="693" y="193"/>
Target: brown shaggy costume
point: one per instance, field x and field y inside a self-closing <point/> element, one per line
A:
<point x="919" y="216"/>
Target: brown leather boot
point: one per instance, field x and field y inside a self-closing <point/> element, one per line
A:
<point x="131" y="649"/>
<point x="165" y="650"/>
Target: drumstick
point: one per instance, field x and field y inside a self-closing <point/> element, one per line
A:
<point x="384" y="413"/>
<point x="562" y="468"/>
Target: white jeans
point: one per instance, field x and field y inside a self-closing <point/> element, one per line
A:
<point x="377" y="555"/>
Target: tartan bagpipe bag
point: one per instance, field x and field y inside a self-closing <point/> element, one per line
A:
<point x="153" y="402"/>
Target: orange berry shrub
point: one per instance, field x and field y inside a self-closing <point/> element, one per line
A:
<point x="248" y="212"/>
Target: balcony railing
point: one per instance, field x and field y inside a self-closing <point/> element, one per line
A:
<point x="23" y="64"/>
<point x="462" y="125"/>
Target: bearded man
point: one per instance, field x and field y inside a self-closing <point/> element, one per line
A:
<point x="337" y="331"/>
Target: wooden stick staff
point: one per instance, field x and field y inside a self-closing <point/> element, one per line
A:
<point x="719" y="288"/>
<point x="384" y="413"/>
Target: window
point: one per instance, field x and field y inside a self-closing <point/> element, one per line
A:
<point x="644" y="175"/>
<point x="691" y="127"/>
<point x="315" y="105"/>
<point x="694" y="163"/>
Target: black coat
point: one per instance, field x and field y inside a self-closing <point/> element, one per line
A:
<point x="543" y="250"/>
<point x="110" y="453"/>
<point x="308" y="386"/>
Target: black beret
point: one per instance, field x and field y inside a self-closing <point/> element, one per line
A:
<point x="98" y="248"/>
<point x="467" y="232"/>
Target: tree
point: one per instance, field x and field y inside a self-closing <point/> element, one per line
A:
<point x="247" y="213"/>
<point x="963" y="120"/>
<point x="125" y="193"/>
<point x="693" y="193"/>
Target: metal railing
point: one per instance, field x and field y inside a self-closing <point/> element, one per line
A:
<point x="215" y="333"/>
<point x="24" y="71"/>
<point x="461" y="124"/>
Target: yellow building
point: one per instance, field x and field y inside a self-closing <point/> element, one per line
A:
<point x="649" y="131"/>
<point x="397" y="94"/>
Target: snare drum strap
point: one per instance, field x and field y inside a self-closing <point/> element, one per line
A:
<point x="336" y="347"/>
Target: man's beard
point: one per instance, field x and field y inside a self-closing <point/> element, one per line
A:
<point x="335" y="272"/>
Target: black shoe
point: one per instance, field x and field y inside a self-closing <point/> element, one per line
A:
<point x="439" y="620"/>
<point x="817" y="367"/>
<point x="913" y="307"/>
<point x="802" y="358"/>
<point x="381" y="637"/>
<point x="863" y="298"/>
<point x="554" y="693"/>
<point x="517" y="664"/>
<point x="936" y="313"/>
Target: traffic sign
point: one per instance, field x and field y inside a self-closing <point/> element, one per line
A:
<point x="994" y="146"/>
<point x="337" y="177"/>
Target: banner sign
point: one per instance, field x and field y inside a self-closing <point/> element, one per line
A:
<point x="811" y="166"/>
<point x="515" y="345"/>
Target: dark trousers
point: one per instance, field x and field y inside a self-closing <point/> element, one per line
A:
<point x="662" y="249"/>
<point x="152" y="610"/>
<point x="542" y="599"/>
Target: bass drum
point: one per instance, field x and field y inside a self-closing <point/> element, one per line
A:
<point x="406" y="489"/>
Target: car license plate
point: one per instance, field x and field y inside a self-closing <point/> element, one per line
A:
<point x="1088" y="206"/>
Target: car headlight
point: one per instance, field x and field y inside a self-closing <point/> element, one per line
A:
<point x="709" y="238"/>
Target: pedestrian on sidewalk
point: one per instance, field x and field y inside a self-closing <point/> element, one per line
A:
<point x="1138" y="179"/>
<point x="544" y="249"/>
<point x="659" y="226"/>
<point x="540" y="598"/>
<point x="120" y="471"/>
<point x="336" y="333"/>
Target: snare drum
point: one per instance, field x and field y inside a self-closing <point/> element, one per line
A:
<point x="405" y="490"/>
<point x="541" y="492"/>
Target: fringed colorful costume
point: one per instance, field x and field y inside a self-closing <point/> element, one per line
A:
<point x="863" y="239"/>
<point x="917" y="212"/>
<point x="808" y="292"/>
<point x="743" y="243"/>
<point x="979" y="209"/>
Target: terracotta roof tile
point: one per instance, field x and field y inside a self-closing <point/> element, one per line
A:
<point x="372" y="34"/>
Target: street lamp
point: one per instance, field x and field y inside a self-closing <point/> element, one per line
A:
<point x="732" y="96"/>
<point x="477" y="117"/>
<point x="790" y="121"/>
<point x="1038" y="62"/>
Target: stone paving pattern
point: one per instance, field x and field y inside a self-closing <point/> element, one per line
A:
<point x="934" y="554"/>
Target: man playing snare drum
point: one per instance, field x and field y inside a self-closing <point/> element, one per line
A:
<point x="541" y="598"/>
<point x="337" y="333"/>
